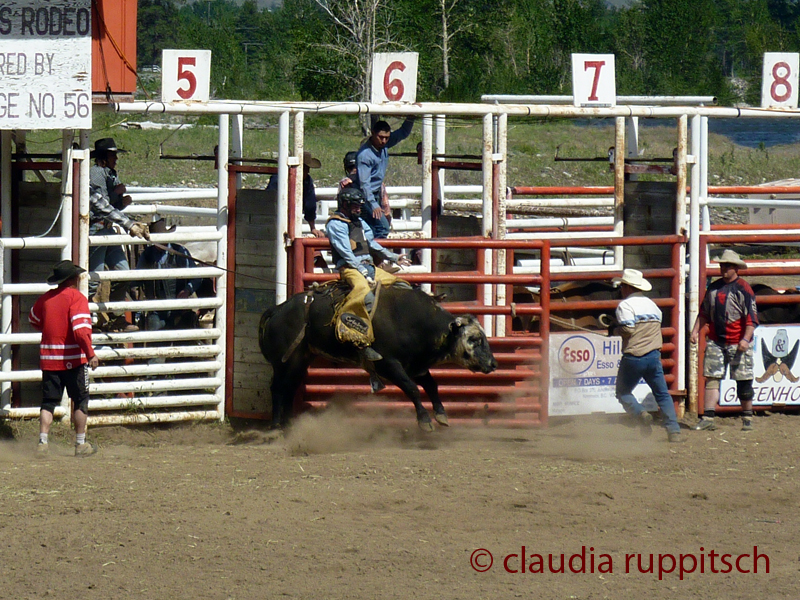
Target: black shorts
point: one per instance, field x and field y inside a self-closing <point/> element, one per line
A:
<point x="76" y="382"/>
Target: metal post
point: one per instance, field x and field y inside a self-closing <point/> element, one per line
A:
<point x="501" y="143"/>
<point x="237" y="143"/>
<point x="5" y="213"/>
<point x="66" y="192"/>
<point x="704" y="172"/>
<point x="282" y="216"/>
<point x="632" y="141"/>
<point x="619" y="188"/>
<point x="440" y="147"/>
<point x="694" y="257"/>
<point x="299" y="139"/>
<point x="680" y="229"/>
<point x="222" y="258"/>
<point x="488" y="221"/>
<point x="427" y="190"/>
<point x="83" y="208"/>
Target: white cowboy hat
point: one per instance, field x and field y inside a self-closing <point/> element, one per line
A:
<point x="633" y="278"/>
<point x="730" y="257"/>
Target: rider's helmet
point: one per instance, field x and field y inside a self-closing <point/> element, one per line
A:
<point x="350" y="196"/>
<point x="350" y="161"/>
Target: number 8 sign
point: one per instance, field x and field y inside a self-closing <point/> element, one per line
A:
<point x="394" y="77"/>
<point x="185" y="75"/>
<point x="779" y="80"/>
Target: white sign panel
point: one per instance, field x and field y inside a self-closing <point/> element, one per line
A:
<point x="185" y="75"/>
<point x="583" y="375"/>
<point x="394" y="77"/>
<point x="594" y="80"/>
<point x="45" y="64"/>
<point x="779" y="80"/>
<point x="775" y="366"/>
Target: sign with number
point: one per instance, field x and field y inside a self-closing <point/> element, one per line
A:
<point x="394" y="77"/>
<point x="593" y="80"/>
<point x="779" y="81"/>
<point x="185" y="75"/>
<point x="45" y="64"/>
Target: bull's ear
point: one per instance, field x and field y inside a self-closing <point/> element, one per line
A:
<point x="457" y="324"/>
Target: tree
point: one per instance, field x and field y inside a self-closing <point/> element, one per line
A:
<point x="359" y="29"/>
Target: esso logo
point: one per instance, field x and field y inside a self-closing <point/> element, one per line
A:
<point x="576" y="355"/>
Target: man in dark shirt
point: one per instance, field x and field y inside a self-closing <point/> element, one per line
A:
<point x="729" y="309"/>
<point x="309" y="193"/>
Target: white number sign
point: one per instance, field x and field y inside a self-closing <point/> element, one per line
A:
<point x="593" y="80"/>
<point x="779" y="81"/>
<point x="394" y="77"/>
<point x="185" y="75"/>
<point x="46" y="64"/>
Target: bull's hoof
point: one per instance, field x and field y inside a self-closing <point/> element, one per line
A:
<point x="426" y="427"/>
<point x="441" y="419"/>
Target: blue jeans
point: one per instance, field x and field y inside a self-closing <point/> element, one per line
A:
<point x="631" y="370"/>
<point x="112" y="258"/>
<point x="380" y="227"/>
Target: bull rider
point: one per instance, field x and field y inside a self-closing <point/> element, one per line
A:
<point x="353" y="246"/>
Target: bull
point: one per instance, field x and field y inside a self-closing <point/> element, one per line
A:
<point x="412" y="334"/>
<point x="776" y="314"/>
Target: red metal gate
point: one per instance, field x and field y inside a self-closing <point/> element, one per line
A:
<point x="517" y="393"/>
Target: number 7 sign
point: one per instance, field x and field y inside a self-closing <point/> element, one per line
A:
<point x="779" y="81"/>
<point x="593" y="80"/>
<point x="185" y="75"/>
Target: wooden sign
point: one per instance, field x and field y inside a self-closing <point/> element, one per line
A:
<point x="593" y="80"/>
<point x="45" y="64"/>
<point x="394" y="77"/>
<point x="185" y="75"/>
<point x="779" y="80"/>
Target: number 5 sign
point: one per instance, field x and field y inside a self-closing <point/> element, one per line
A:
<point x="779" y="81"/>
<point x="185" y="75"/>
<point x="394" y="77"/>
<point x="593" y="80"/>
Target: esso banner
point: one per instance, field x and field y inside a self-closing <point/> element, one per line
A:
<point x="583" y="375"/>
<point x="394" y="77"/>
<point x="594" y="80"/>
<point x="185" y="75"/>
<point x="779" y="80"/>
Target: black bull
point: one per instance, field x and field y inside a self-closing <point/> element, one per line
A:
<point x="412" y="334"/>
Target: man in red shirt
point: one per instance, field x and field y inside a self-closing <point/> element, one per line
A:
<point x="729" y="309"/>
<point x="63" y="317"/>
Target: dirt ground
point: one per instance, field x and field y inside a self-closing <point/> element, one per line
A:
<point x="342" y="509"/>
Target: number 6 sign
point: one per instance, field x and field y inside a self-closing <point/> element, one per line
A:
<point x="185" y="75"/>
<point x="394" y="77"/>
<point x="779" y="81"/>
<point x="593" y="80"/>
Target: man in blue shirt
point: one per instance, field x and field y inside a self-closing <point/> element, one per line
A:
<point x="353" y="247"/>
<point x="371" y="161"/>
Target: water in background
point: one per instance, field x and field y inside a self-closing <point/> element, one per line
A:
<point x="752" y="133"/>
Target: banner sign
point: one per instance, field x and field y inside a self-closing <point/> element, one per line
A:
<point x="45" y="64"/>
<point x="775" y="366"/>
<point x="583" y="375"/>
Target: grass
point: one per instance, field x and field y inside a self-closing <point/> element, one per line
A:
<point x="532" y="146"/>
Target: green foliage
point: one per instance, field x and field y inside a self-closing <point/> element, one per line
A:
<point x="296" y="50"/>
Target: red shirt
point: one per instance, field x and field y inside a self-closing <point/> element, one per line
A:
<point x="63" y="317"/>
<point x="729" y="309"/>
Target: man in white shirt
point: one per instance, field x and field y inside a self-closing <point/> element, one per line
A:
<point x="639" y="324"/>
